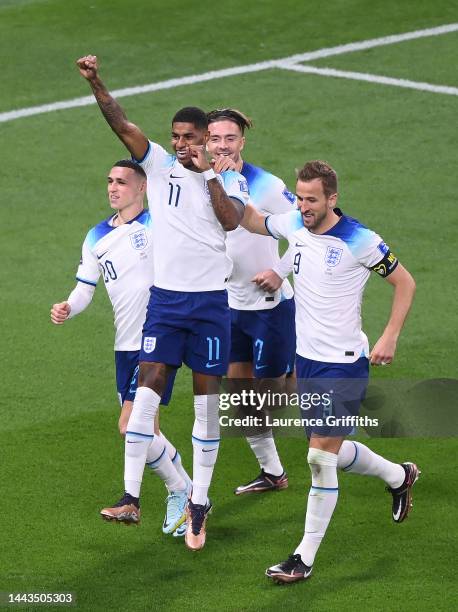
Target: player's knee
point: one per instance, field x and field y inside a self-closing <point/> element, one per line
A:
<point x="206" y="407"/>
<point x="322" y="464"/>
<point x="206" y="423"/>
<point x="154" y="376"/>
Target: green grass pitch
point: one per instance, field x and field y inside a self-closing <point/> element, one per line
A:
<point x="62" y="459"/>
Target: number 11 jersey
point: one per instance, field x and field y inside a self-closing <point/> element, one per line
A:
<point x="189" y="242"/>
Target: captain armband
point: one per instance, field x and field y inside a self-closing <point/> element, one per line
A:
<point x="388" y="265"/>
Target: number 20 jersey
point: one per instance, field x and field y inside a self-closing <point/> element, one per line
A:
<point x="189" y="242"/>
<point x="123" y="255"/>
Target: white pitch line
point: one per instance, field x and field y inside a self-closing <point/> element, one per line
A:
<point x="236" y="70"/>
<point x="371" y="78"/>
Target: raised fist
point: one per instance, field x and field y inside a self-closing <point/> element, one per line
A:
<point x="87" y="66"/>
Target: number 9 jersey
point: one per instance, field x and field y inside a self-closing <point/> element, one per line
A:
<point x="123" y="255"/>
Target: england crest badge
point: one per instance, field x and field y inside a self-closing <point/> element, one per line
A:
<point x="139" y="240"/>
<point x="333" y="256"/>
<point x="149" y="344"/>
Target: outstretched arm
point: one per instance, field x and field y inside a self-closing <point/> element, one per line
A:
<point x="404" y="291"/>
<point x="254" y="222"/>
<point x="132" y="137"/>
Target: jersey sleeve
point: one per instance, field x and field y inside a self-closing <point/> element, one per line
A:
<point x="280" y="199"/>
<point x="154" y="159"/>
<point x="88" y="269"/>
<point x="373" y="253"/>
<point x="284" y="225"/>
<point x="80" y="298"/>
<point x="235" y="186"/>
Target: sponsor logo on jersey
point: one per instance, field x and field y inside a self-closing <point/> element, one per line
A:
<point x="333" y="256"/>
<point x="243" y="186"/>
<point x="149" y="344"/>
<point x="289" y="196"/>
<point x="139" y="240"/>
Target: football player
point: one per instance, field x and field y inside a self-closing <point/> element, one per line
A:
<point x="120" y="250"/>
<point x="263" y="336"/>
<point x="332" y="258"/>
<point x="188" y="318"/>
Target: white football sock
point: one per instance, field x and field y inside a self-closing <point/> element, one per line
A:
<point x="321" y="502"/>
<point x="205" y="443"/>
<point x="263" y="446"/>
<point x="356" y="458"/>
<point x="158" y="460"/>
<point x="176" y="460"/>
<point x="139" y="435"/>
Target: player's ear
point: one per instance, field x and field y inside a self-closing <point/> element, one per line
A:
<point x="332" y="201"/>
<point x="206" y="136"/>
<point x="243" y="143"/>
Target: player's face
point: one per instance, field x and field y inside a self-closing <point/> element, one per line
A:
<point x="315" y="207"/>
<point x="125" y="188"/>
<point x="225" y="139"/>
<point x="183" y="135"/>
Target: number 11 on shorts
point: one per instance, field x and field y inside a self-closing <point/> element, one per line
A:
<point x="213" y="347"/>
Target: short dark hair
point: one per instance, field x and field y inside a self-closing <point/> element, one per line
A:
<point x="128" y="163"/>
<point x="191" y="114"/>
<point x="321" y="170"/>
<point x="230" y="114"/>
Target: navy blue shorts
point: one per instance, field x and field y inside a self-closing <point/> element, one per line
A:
<point x="265" y="338"/>
<point x="127" y="377"/>
<point x="332" y="393"/>
<point x="188" y="327"/>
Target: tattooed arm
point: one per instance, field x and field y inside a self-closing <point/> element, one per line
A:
<point x="228" y="211"/>
<point x="132" y="137"/>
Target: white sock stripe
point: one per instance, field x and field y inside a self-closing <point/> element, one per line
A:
<point x="211" y="441"/>
<point x="151" y="464"/>
<point x="141" y="435"/>
<point x="345" y="469"/>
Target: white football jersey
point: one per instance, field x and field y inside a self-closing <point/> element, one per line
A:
<point x="330" y="272"/>
<point x="123" y="255"/>
<point x="252" y="253"/>
<point x="189" y="242"/>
